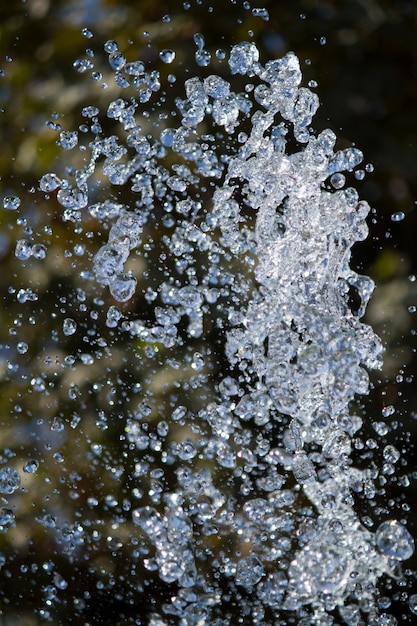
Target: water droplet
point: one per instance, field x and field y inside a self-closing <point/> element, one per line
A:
<point x="81" y="65"/>
<point x="69" y="326"/>
<point x="262" y="12"/>
<point x="243" y="58"/>
<point x="387" y="411"/>
<point x="68" y="139"/>
<point x="117" y="60"/>
<point x="123" y="287"/>
<point x="412" y="603"/>
<point x="111" y="46"/>
<point x="394" y="540"/>
<point x="398" y="217"/>
<point x="39" y="251"/>
<point x="9" y="480"/>
<point x="23" y="249"/>
<point x="57" y="425"/>
<point x="6" y="518"/>
<point x="31" y="466"/>
<point x="11" y="203"/>
<point x="49" y="182"/>
<point x="391" y="454"/>
<point x="167" y="56"/>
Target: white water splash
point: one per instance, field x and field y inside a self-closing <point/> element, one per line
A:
<point x="259" y="229"/>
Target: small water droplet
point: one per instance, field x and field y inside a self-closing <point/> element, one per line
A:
<point x="23" y="249"/>
<point x="31" y="466"/>
<point x="68" y="139"/>
<point x="110" y="46"/>
<point x="117" y="60"/>
<point x="69" y="326"/>
<point x="167" y="56"/>
<point x="262" y="12"/>
<point x="11" y="203"/>
<point x="57" y="425"/>
<point x="22" y="347"/>
<point x="397" y="217"/>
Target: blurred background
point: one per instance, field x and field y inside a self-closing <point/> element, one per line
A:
<point x="67" y="417"/>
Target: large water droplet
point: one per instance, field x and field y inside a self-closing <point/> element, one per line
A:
<point x="394" y="540"/>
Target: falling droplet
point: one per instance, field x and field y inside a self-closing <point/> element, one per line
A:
<point x="394" y="540"/>
<point x="11" y="203"/>
<point x="167" y="56"/>
<point x="397" y="217"/>
<point x="69" y="326"/>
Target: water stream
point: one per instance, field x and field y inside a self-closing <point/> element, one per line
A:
<point x="196" y="398"/>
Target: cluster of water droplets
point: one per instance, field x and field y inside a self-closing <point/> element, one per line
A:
<point x="255" y="491"/>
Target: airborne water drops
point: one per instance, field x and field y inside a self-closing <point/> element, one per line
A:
<point x="195" y="399"/>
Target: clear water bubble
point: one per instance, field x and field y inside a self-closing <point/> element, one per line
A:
<point x="394" y="540"/>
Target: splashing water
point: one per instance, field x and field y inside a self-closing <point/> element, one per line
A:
<point x="235" y="481"/>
